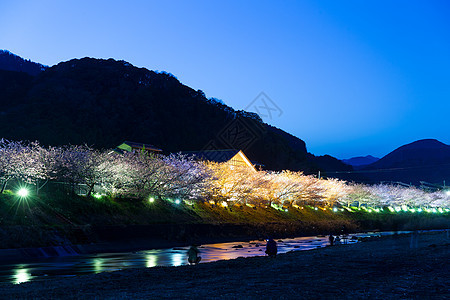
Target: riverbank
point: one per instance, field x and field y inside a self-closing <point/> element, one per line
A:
<point x="384" y="268"/>
<point x="116" y="225"/>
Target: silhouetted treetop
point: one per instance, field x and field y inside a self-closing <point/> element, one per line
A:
<point x="12" y="62"/>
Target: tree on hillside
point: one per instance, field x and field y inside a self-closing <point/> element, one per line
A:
<point x="17" y="161"/>
<point x="233" y="184"/>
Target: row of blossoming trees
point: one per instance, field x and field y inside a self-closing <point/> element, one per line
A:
<point x="177" y="176"/>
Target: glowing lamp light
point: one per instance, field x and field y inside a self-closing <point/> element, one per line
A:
<point x="224" y="204"/>
<point x="151" y="200"/>
<point x="178" y="201"/>
<point x="315" y="208"/>
<point x="23" y="193"/>
<point x="419" y="210"/>
<point x="286" y="210"/>
<point x="97" y="196"/>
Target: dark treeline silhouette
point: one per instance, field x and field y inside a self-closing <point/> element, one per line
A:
<point x="101" y="103"/>
<point x="11" y="62"/>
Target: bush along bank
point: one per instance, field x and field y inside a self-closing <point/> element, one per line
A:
<point x="57" y="220"/>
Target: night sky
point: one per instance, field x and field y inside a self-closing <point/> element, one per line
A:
<point x="350" y="78"/>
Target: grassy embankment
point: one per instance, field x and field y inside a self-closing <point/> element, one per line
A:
<point x="59" y="218"/>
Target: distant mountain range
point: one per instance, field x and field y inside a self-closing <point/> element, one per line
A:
<point x="421" y="162"/>
<point x="105" y="102"/>
<point x="360" y="161"/>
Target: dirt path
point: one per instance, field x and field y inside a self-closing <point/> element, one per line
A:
<point x="385" y="268"/>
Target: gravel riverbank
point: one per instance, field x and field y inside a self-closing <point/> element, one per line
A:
<point x="382" y="268"/>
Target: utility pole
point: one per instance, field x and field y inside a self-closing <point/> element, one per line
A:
<point x="319" y="176"/>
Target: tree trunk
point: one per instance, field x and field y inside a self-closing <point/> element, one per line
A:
<point x="38" y="188"/>
<point x="4" y="186"/>
<point x="91" y="188"/>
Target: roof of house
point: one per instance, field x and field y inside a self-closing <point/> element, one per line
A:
<point x="218" y="156"/>
<point x="139" y="146"/>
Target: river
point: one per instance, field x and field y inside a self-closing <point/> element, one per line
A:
<point x="44" y="268"/>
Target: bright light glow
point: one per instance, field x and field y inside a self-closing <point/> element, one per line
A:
<point x="188" y="202"/>
<point x="177" y="201"/>
<point x="23" y="193"/>
<point x="224" y="204"/>
<point x="315" y="208"/>
<point x="286" y="210"/>
<point x="97" y="196"/>
<point x="151" y="200"/>
<point x="21" y="275"/>
<point x="151" y="260"/>
<point x="398" y="208"/>
<point x="335" y="209"/>
<point x="447" y="192"/>
<point x="419" y="210"/>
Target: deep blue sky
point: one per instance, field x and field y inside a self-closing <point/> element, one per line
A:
<point x="351" y="77"/>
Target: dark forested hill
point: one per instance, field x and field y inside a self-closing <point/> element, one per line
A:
<point x="11" y="62"/>
<point x="104" y="102"/>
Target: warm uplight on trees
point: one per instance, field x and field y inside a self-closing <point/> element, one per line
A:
<point x="148" y="176"/>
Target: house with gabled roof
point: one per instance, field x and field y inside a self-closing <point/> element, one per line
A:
<point x="232" y="157"/>
<point x="128" y="146"/>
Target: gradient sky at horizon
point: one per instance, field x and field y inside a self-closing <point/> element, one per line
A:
<point x="351" y="77"/>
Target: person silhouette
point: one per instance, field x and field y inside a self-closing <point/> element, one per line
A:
<point x="193" y="255"/>
<point x="271" y="247"/>
<point x="331" y="239"/>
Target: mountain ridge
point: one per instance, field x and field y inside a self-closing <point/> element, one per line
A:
<point x="12" y="62"/>
<point x="360" y="161"/>
<point x="426" y="160"/>
<point x="102" y="102"/>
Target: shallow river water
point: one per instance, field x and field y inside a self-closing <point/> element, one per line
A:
<point x="42" y="269"/>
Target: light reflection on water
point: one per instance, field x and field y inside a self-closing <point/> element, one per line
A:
<point x="151" y="260"/>
<point x="21" y="275"/>
<point x="105" y="262"/>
